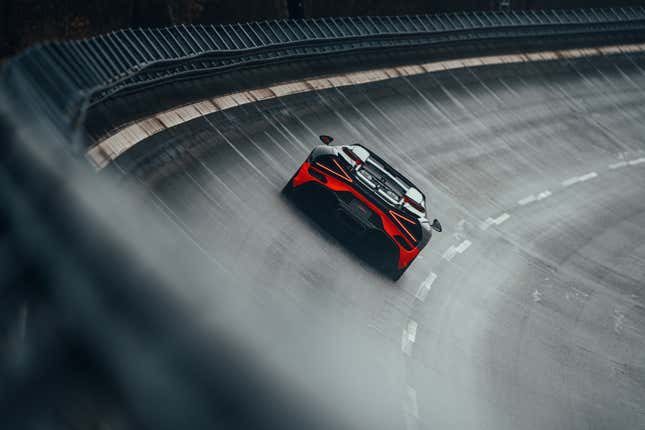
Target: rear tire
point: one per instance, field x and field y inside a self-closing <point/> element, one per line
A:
<point x="382" y="254"/>
<point x="397" y="273"/>
<point x="287" y="190"/>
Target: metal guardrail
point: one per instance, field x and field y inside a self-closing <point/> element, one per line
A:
<point x="67" y="78"/>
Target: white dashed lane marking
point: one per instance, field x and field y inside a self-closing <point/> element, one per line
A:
<point x="627" y="163"/>
<point x="533" y="198"/>
<point x="588" y="176"/>
<point x="485" y="224"/>
<point x="497" y="221"/>
<point x="463" y="246"/>
<point x="527" y="200"/>
<point x="425" y="286"/>
<point x="618" y="165"/>
<point x="570" y="181"/>
<point x="500" y="219"/>
<point x="576" y="179"/>
<point x="409" y="337"/>
<point x="449" y="253"/>
<point x="412" y="330"/>
<point x="412" y="402"/>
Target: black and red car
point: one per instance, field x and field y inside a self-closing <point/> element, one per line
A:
<point x="359" y="190"/>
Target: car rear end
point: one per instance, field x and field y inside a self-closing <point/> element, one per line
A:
<point x="370" y="198"/>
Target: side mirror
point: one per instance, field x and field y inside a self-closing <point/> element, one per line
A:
<point x="436" y="226"/>
<point x="326" y="139"/>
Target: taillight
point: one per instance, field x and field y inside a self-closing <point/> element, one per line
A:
<point x="353" y="156"/>
<point x="337" y="170"/>
<point x="405" y="223"/>
<point x="414" y="204"/>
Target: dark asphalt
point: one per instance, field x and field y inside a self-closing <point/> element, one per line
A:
<point x="539" y="323"/>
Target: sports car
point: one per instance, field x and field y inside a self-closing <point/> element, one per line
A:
<point x="374" y="202"/>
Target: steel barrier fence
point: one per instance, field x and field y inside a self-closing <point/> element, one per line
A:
<point x="67" y="78"/>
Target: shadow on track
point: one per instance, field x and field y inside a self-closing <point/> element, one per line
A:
<point x="321" y="211"/>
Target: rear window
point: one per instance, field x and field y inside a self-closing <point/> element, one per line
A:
<point x="378" y="171"/>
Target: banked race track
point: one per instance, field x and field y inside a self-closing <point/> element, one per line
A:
<point x="527" y="312"/>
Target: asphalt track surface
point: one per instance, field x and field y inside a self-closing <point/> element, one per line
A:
<point x="527" y="312"/>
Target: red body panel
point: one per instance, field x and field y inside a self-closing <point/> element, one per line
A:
<point x="335" y="184"/>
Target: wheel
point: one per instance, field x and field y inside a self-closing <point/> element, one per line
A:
<point x="288" y="188"/>
<point x="397" y="273"/>
<point x="381" y="253"/>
